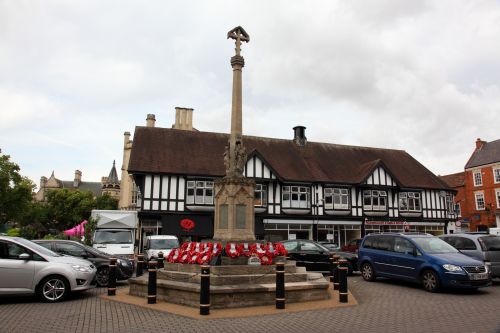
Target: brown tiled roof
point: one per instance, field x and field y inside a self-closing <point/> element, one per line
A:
<point x="489" y="153"/>
<point x="171" y="151"/>
<point x="454" y="180"/>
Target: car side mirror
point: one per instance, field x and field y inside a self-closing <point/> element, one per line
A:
<point x="84" y="255"/>
<point x="24" y="256"/>
<point x="414" y="252"/>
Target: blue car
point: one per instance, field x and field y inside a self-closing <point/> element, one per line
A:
<point x="420" y="258"/>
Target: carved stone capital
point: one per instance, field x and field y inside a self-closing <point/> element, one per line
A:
<point x="237" y="61"/>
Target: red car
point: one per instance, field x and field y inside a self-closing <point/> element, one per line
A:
<point x="352" y="246"/>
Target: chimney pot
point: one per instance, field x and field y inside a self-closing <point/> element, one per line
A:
<point x="299" y="135"/>
<point x="150" y="120"/>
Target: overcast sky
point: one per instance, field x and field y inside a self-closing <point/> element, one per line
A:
<point x="421" y="76"/>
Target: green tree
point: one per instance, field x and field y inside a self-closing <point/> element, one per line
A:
<point x="106" y="202"/>
<point x="15" y="191"/>
<point x="68" y="208"/>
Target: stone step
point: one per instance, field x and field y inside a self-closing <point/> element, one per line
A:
<point x="290" y="267"/>
<point x="215" y="279"/>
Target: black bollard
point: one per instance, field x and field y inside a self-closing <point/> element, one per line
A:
<point x="343" y="294"/>
<point x="152" y="282"/>
<point x="112" y="277"/>
<point x="205" y="290"/>
<point x="333" y="266"/>
<point x="160" y="260"/>
<point x="336" y="272"/>
<point x="280" y="285"/>
<point x="140" y="265"/>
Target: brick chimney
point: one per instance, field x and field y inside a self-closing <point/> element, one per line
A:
<point x="78" y="178"/>
<point x="150" y="120"/>
<point x="299" y="135"/>
<point x="479" y="143"/>
<point x="183" y="119"/>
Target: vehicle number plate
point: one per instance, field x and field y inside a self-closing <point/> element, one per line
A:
<point x="479" y="276"/>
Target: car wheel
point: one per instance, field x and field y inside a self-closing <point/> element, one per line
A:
<point x="53" y="289"/>
<point x="367" y="272"/>
<point x="102" y="276"/>
<point x="430" y="281"/>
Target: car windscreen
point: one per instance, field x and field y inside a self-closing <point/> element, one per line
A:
<point x="160" y="244"/>
<point x="434" y="245"/>
<point x="113" y="237"/>
<point x="37" y="248"/>
<point x="490" y="243"/>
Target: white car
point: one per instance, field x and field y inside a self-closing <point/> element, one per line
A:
<point x="28" y="268"/>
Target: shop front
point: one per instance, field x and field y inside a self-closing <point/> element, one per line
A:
<point x="338" y="232"/>
<point x="433" y="228"/>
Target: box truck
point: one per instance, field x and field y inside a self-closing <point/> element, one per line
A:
<point x="115" y="232"/>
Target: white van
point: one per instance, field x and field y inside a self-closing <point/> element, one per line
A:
<point x="157" y="243"/>
<point x="115" y="232"/>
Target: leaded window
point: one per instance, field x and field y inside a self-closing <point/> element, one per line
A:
<point x="296" y="197"/>
<point x="260" y="198"/>
<point x="410" y="202"/>
<point x="374" y="200"/>
<point x="336" y="198"/>
<point x="200" y="192"/>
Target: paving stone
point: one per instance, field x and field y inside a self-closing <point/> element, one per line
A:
<point x="384" y="306"/>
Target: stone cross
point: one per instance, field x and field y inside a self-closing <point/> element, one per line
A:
<point x="239" y="34"/>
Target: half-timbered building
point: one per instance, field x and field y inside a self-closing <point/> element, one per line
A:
<point x="304" y="189"/>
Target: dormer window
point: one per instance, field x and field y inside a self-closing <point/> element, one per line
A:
<point x="296" y="197"/>
<point x="410" y="202"/>
<point x="374" y="200"/>
<point x="200" y="192"/>
<point x="337" y="198"/>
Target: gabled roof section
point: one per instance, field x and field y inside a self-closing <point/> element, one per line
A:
<point x="256" y="153"/>
<point x="489" y="153"/>
<point x="370" y="169"/>
<point x="454" y="180"/>
<point x="171" y="151"/>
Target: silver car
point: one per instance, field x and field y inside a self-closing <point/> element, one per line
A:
<point x="28" y="268"/>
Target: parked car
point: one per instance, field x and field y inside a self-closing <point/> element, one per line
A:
<point x="125" y="267"/>
<point x="352" y="246"/>
<point x="483" y="247"/>
<point x="330" y="246"/>
<point x="421" y="258"/>
<point x="28" y="268"/>
<point x="314" y="256"/>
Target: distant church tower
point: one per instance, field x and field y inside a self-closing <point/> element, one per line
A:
<point x="111" y="184"/>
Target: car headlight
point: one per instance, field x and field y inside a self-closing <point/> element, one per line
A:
<point x="79" y="268"/>
<point x="452" y="268"/>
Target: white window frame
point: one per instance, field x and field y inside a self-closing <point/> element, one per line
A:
<point x="336" y="198"/>
<point x="260" y="197"/>
<point x="478" y="197"/>
<point x="497" y="196"/>
<point x="375" y="197"/>
<point x="413" y="200"/>
<point x="496" y="175"/>
<point x="477" y="177"/>
<point x="295" y="196"/>
<point x="458" y="209"/>
<point x="202" y="192"/>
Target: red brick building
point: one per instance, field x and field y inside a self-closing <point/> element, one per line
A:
<point x="478" y="196"/>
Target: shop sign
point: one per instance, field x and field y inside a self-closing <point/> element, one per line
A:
<point x="187" y="224"/>
<point x="386" y="223"/>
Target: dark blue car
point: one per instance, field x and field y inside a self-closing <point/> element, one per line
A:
<point x="421" y="258"/>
